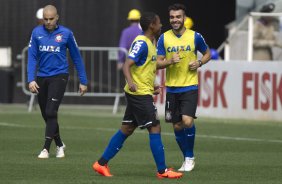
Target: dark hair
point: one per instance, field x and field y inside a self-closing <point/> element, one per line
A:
<point x="268" y="8"/>
<point x="146" y="19"/>
<point x="177" y="7"/>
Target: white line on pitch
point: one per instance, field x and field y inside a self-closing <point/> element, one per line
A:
<point x="207" y="136"/>
<point x="10" y="124"/>
<point x="163" y="133"/>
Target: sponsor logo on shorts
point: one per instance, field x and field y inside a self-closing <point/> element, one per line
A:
<point x="168" y="115"/>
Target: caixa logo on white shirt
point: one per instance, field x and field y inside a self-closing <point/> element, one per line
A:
<point x="49" y="48"/>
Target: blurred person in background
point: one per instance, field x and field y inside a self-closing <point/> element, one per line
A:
<point x="264" y="38"/>
<point x="214" y="54"/>
<point x="188" y="23"/>
<point x="128" y="34"/>
<point x="47" y="72"/>
<point x="39" y="16"/>
<point x="177" y="52"/>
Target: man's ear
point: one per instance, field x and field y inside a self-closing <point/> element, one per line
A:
<point x="151" y="25"/>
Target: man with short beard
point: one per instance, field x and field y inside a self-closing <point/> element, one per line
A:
<point x="177" y="52"/>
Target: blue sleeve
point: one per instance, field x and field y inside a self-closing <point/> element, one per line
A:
<point x="200" y="43"/>
<point x="160" y="46"/>
<point x="138" y="52"/>
<point x="76" y="58"/>
<point x="32" y="58"/>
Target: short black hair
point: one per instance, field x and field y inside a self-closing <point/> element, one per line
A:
<point x="176" y="7"/>
<point x="268" y="8"/>
<point x="146" y="19"/>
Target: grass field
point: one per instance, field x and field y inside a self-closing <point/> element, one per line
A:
<point x="227" y="151"/>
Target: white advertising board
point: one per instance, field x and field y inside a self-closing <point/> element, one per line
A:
<point x="243" y="90"/>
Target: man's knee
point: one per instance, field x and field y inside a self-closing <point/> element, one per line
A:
<point x="128" y="129"/>
<point x="50" y="113"/>
<point x="155" y="128"/>
<point x="178" y="126"/>
<point x="187" y="121"/>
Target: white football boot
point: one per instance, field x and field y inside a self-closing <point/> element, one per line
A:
<point x="60" y="153"/>
<point x="188" y="164"/>
<point x="44" y="154"/>
<point x="64" y="146"/>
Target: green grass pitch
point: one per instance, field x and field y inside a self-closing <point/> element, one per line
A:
<point x="227" y="151"/>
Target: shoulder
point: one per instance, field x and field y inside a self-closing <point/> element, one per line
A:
<point x="161" y="39"/>
<point x="198" y="35"/>
<point x="169" y="32"/>
<point x="190" y="31"/>
<point x="140" y="39"/>
<point x="127" y="29"/>
<point x="140" y="42"/>
<point x="38" y="29"/>
<point x="162" y="36"/>
<point x="138" y="48"/>
<point x="65" y="29"/>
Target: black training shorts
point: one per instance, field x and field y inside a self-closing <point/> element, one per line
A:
<point x="178" y="104"/>
<point x="140" y="111"/>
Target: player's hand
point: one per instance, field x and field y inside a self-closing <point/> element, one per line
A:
<point x="132" y="87"/>
<point x="194" y="65"/>
<point x="82" y="89"/>
<point x="175" y="58"/>
<point x="33" y="87"/>
<point x="157" y="90"/>
<point x="119" y="66"/>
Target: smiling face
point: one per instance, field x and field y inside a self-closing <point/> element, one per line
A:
<point x="176" y="19"/>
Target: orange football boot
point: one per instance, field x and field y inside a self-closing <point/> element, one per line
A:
<point x="103" y="170"/>
<point x="169" y="173"/>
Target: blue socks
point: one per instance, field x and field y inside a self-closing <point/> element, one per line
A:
<point x="157" y="149"/>
<point x="156" y="146"/>
<point x="114" y="145"/>
<point x="185" y="139"/>
<point x="180" y="139"/>
<point x="190" y="140"/>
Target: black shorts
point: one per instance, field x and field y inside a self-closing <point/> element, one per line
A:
<point x="140" y="111"/>
<point x="178" y="104"/>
